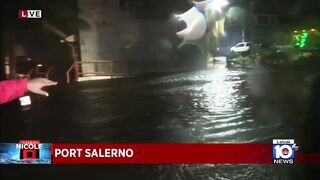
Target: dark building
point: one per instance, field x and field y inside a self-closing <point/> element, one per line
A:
<point x="132" y="31"/>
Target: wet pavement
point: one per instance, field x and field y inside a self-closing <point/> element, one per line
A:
<point x="208" y="106"/>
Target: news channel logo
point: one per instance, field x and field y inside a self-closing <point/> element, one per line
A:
<point x="283" y="151"/>
<point x="25" y="152"/>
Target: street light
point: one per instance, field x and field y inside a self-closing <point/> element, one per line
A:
<point x="218" y="5"/>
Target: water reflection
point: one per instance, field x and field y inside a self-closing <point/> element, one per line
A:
<point x="213" y="105"/>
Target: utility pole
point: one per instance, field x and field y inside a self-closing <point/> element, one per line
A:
<point x="243" y="33"/>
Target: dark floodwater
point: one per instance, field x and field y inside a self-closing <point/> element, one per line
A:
<point x="213" y="105"/>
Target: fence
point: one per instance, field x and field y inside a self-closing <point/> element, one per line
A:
<point x="111" y="68"/>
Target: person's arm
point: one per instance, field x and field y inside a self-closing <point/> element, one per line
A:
<point x="36" y="85"/>
<point x="12" y="89"/>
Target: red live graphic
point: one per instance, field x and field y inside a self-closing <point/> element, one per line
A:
<point x="23" y="14"/>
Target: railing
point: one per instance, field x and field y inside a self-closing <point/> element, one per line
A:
<point x="76" y="67"/>
<point x="115" y="68"/>
<point x="36" y="72"/>
<point x="68" y="72"/>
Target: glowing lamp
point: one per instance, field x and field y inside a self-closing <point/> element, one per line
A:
<point x="218" y="5"/>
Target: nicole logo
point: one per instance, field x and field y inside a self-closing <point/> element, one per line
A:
<point x="29" y="149"/>
<point x="23" y="14"/>
<point x="25" y="152"/>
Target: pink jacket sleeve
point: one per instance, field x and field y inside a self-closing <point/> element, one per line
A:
<point x="12" y="89"/>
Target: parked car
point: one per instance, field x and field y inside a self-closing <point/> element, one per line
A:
<point x="241" y="47"/>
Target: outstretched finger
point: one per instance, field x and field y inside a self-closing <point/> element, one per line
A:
<point x="41" y="92"/>
<point x="45" y="80"/>
<point x="50" y="83"/>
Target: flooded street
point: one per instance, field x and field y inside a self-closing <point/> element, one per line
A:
<point x="206" y="72"/>
<point x="215" y="105"/>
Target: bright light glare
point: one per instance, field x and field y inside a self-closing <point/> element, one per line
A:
<point x="196" y="25"/>
<point x="217" y="5"/>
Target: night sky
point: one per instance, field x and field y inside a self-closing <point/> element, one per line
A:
<point x="288" y="7"/>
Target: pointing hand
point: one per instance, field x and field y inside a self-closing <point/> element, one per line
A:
<point x="36" y="85"/>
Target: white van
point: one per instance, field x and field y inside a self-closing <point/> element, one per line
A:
<point x="241" y="47"/>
